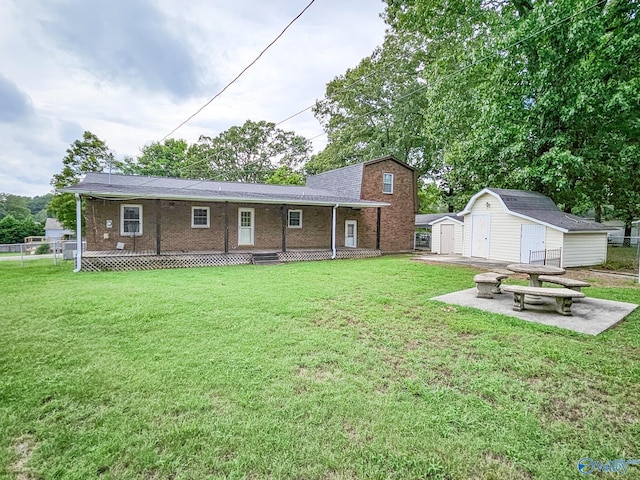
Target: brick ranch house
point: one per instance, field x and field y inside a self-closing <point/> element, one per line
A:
<point x="138" y="222"/>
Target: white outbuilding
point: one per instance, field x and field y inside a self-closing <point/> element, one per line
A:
<point x="447" y="235"/>
<point x="527" y="227"/>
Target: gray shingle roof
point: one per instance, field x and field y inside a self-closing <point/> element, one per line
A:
<point x="135" y="186"/>
<point x="426" y="219"/>
<point x="541" y="208"/>
<point x="52" y="224"/>
<point x="345" y="181"/>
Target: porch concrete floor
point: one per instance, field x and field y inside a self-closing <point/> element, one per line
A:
<point x="590" y="315"/>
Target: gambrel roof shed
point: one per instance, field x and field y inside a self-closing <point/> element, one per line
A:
<point x="538" y="208"/>
<point x="518" y="226"/>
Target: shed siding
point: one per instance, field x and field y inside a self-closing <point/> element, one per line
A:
<point x="553" y="239"/>
<point x="458" y="233"/>
<point x="504" y="234"/>
<point x="505" y="231"/>
<point x="581" y="249"/>
<point x="435" y="238"/>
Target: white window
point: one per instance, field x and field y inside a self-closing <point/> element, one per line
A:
<point x="130" y="220"/>
<point x="199" y="217"/>
<point x="295" y="219"/>
<point x="387" y="183"/>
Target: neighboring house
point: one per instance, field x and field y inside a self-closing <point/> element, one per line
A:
<point x="507" y="225"/>
<point x="447" y="235"/>
<point x="359" y="210"/>
<point x="424" y="220"/>
<point x="53" y="230"/>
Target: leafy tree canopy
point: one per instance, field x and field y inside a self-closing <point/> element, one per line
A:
<point x="89" y="154"/>
<point x="514" y="94"/>
<point x="168" y="159"/>
<point x="13" y="230"/>
<point x="285" y="176"/>
<point x="248" y="153"/>
<point x="14" y="205"/>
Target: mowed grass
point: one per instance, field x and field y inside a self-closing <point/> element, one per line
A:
<point x="623" y="259"/>
<point x="319" y="370"/>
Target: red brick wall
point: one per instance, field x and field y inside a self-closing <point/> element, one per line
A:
<point x="176" y="233"/>
<point x="397" y="221"/>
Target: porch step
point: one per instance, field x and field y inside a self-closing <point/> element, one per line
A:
<point x="270" y="258"/>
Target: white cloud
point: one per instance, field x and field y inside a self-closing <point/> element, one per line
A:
<point x="132" y="70"/>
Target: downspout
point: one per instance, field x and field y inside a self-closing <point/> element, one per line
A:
<point x="78" y="234"/>
<point x="333" y="231"/>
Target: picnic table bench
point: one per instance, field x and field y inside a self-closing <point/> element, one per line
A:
<point x="488" y="283"/>
<point x="564" y="296"/>
<point x="567" y="282"/>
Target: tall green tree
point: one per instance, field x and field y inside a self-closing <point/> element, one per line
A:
<point x="248" y="153"/>
<point x="89" y="154"/>
<point x="13" y="230"/>
<point x="38" y="205"/>
<point x="168" y="159"/>
<point x="285" y="176"/>
<point x="371" y="110"/>
<point x="14" y="205"/>
<point x="510" y="93"/>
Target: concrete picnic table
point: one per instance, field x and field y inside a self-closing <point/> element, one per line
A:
<point x="534" y="271"/>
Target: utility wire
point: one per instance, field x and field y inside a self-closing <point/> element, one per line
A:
<point x="241" y="73"/>
<point x="452" y="74"/>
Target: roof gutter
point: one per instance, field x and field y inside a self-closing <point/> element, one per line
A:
<point x="78" y="234"/>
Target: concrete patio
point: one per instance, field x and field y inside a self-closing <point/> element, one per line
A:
<point x="590" y="316"/>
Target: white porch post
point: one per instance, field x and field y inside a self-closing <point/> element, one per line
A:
<point x="78" y="234"/>
<point x="333" y="232"/>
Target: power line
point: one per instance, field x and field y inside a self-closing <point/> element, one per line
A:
<point x="241" y="73"/>
<point x="452" y="74"/>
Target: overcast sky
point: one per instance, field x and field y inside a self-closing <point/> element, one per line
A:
<point x="131" y="70"/>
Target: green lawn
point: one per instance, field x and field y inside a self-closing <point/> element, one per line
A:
<point x="623" y="259"/>
<point x="319" y="370"/>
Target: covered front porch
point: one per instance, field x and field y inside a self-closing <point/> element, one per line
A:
<point x="123" y="260"/>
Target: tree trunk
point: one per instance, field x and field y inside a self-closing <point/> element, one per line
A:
<point x="627" y="234"/>
<point x="598" y="213"/>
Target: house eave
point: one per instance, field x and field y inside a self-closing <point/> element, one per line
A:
<point x="106" y="195"/>
<point x="574" y="232"/>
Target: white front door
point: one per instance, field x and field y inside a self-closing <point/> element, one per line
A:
<point x="531" y="240"/>
<point x="480" y="235"/>
<point x="245" y="226"/>
<point x="351" y="233"/>
<point x="447" y="239"/>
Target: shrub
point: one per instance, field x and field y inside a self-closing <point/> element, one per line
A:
<point x="43" y="248"/>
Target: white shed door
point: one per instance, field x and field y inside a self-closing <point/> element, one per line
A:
<point x="447" y="239"/>
<point x="480" y="235"/>
<point x="531" y="240"/>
